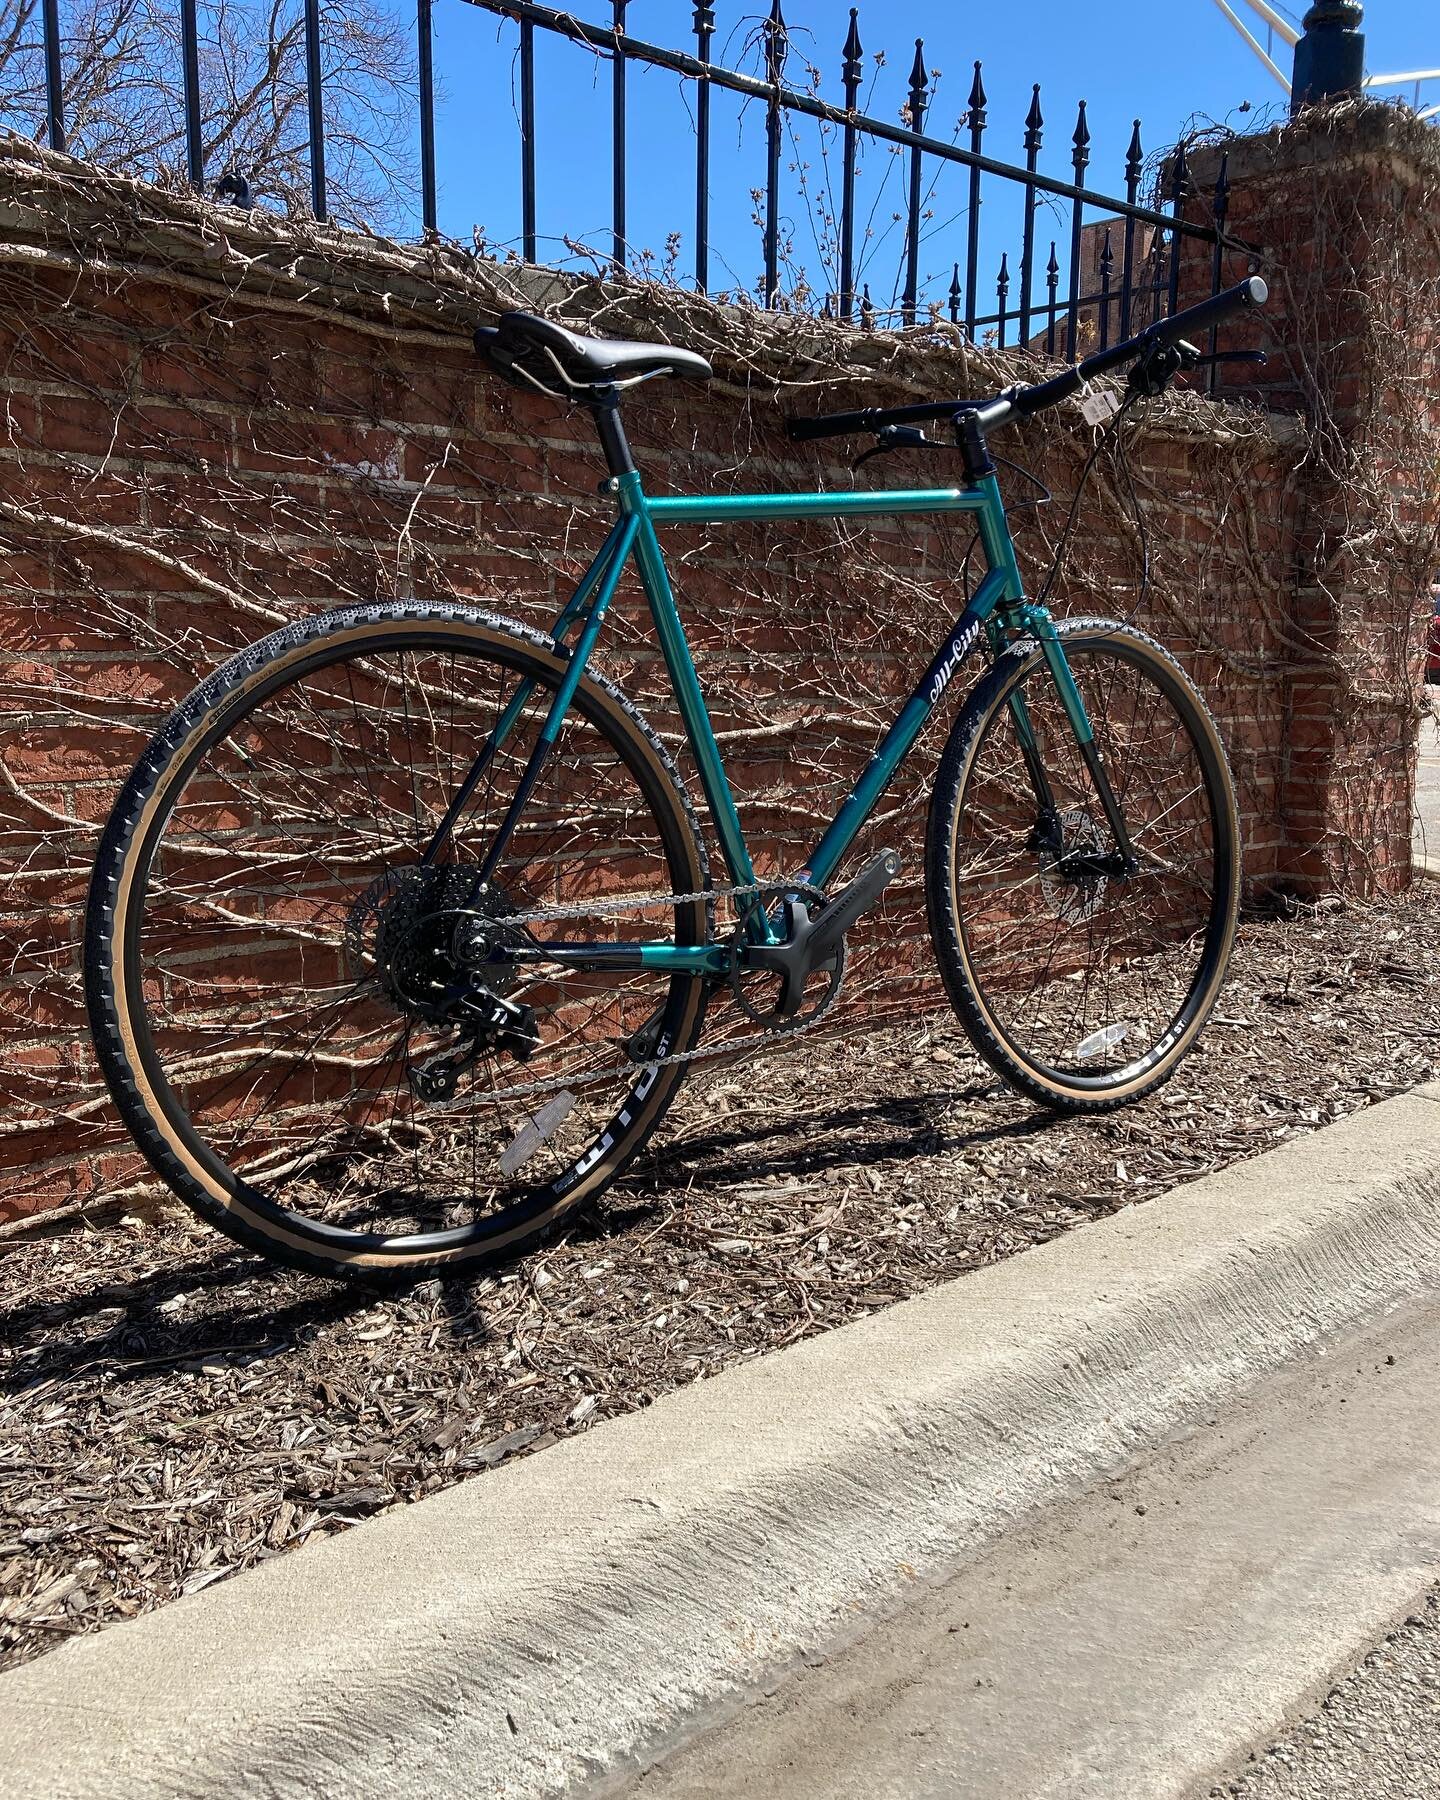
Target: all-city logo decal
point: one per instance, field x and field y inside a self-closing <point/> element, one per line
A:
<point x="952" y="662"/>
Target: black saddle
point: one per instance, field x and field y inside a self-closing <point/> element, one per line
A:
<point x="538" y="353"/>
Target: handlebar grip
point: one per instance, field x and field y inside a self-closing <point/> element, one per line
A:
<point x="1195" y="319"/>
<point x="1252" y="292"/>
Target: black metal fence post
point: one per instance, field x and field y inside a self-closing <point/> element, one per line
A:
<point x="1034" y="133"/>
<point x="775" y="48"/>
<point x="190" y="64"/>
<point x="704" y="30"/>
<point x="618" y="248"/>
<point x="527" y="139"/>
<point x="1081" y="161"/>
<point x="1052" y="286"/>
<point x="1107" y="270"/>
<point x="1180" y="192"/>
<point x="972" y="242"/>
<point x="1134" y="165"/>
<point x="919" y="84"/>
<point x="314" y="88"/>
<point x="1002" y="289"/>
<point x="54" y="79"/>
<point x="1221" y="205"/>
<point x="424" y="44"/>
<point x="851" y="71"/>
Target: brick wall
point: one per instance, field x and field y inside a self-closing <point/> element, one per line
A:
<point x="210" y="423"/>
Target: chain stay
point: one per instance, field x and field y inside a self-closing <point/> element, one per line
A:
<point x="773" y="1034"/>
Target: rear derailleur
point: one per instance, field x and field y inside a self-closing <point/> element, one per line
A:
<point x="487" y="1023"/>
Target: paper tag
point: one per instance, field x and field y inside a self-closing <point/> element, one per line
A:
<point x="533" y="1133"/>
<point x="1098" y="405"/>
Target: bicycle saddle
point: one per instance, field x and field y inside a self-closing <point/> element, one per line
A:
<point x="537" y="352"/>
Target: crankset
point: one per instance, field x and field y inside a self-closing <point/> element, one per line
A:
<point x="814" y="943"/>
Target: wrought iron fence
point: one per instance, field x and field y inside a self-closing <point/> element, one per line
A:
<point x="1121" y="266"/>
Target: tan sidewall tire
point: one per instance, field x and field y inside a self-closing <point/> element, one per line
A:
<point x="945" y="900"/>
<point x="139" y="816"/>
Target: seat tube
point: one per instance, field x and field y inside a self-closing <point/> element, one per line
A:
<point x="693" y="712"/>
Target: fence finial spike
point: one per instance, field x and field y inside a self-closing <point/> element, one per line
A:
<point x="704" y="21"/>
<point x="853" y="48"/>
<point x="1135" y="155"/>
<point x="1034" y="121"/>
<point x="918" y="77"/>
<point x="777" y="42"/>
<point x="1082" y="130"/>
<point x="978" y="97"/>
<point x="1180" y="179"/>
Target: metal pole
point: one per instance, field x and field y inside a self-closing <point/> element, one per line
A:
<point x="918" y="84"/>
<point x="313" y="92"/>
<point x="1080" y="158"/>
<point x="704" y="30"/>
<point x="775" y="46"/>
<point x="190" y="60"/>
<point x="54" y="91"/>
<point x="1034" y="128"/>
<point x="972" y="242"/>
<point x="427" y="113"/>
<point x="527" y="140"/>
<point x="617" y="165"/>
<point x="851" y="71"/>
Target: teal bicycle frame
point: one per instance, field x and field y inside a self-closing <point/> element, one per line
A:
<point x="997" y="604"/>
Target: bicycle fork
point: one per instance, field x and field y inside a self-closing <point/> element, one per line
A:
<point x="1037" y="621"/>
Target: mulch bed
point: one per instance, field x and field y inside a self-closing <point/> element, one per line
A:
<point x="172" y="1411"/>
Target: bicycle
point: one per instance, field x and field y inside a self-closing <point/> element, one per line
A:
<point x="341" y="955"/>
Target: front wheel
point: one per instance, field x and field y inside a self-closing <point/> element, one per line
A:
<point x="1082" y="984"/>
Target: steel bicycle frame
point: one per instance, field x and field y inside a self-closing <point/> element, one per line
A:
<point x="998" y="601"/>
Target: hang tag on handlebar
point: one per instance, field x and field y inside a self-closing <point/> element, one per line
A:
<point x="1098" y="405"/>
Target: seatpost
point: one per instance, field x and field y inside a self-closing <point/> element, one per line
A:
<point x="606" y="408"/>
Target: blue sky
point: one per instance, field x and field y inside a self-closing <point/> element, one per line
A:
<point x="1168" y="62"/>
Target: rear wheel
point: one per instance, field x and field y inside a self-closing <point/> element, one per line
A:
<point x="1082" y="986"/>
<point x="273" y="975"/>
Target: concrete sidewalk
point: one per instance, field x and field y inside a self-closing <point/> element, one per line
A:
<point x="1140" y="1639"/>
<point x="534" y="1628"/>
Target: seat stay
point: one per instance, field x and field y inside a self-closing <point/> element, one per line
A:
<point x="515" y="706"/>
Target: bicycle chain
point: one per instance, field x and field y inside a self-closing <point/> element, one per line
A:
<point x="638" y="903"/>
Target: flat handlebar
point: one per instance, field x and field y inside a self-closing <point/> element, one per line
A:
<point x="1023" y="402"/>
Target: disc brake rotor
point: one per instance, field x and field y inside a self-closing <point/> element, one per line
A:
<point x="1072" y="900"/>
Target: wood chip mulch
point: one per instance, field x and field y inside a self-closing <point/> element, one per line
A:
<point x="172" y="1411"/>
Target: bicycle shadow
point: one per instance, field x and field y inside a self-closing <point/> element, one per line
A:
<point x="273" y="1308"/>
<point x="899" y="1129"/>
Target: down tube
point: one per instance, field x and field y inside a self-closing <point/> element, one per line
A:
<point x="900" y="738"/>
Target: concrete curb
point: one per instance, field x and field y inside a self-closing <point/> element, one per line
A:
<point x="534" y="1627"/>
